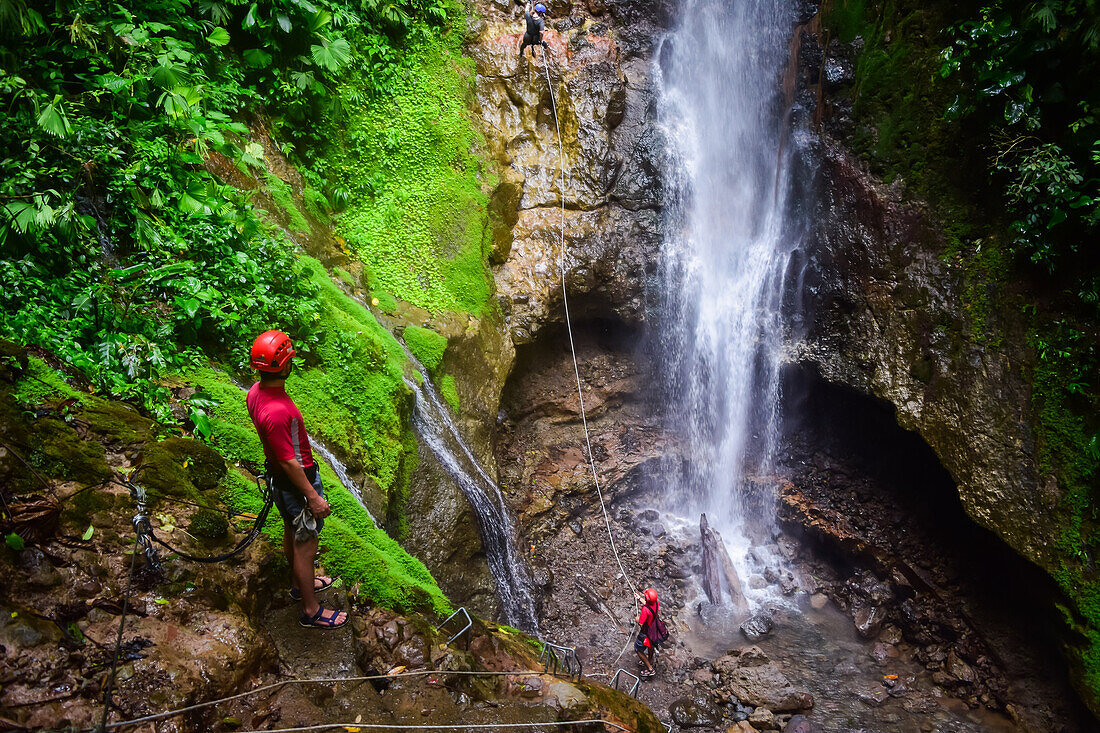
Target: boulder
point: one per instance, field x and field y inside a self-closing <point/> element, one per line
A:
<point x="757" y="626"/>
<point x="694" y="712"/>
<point x="869" y="621"/>
<point x="802" y="724"/>
<point x="763" y="719"/>
<point x="751" y="678"/>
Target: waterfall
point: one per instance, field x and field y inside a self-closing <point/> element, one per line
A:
<point x="434" y="425"/>
<point x="730" y="236"/>
<point x="341" y="471"/>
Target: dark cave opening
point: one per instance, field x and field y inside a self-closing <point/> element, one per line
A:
<point x="847" y="451"/>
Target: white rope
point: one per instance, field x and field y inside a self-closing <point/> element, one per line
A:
<point x="318" y="680"/>
<point x="569" y="328"/>
<point x="465" y="726"/>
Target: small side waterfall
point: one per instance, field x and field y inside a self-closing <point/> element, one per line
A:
<point x="732" y="231"/>
<point x="341" y="472"/>
<point x="434" y="425"/>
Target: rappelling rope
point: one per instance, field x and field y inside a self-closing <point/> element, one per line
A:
<point x="145" y="530"/>
<point x="572" y="346"/>
<point x="460" y="726"/>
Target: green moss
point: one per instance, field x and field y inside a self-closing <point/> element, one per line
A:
<point x="55" y="450"/>
<point x="426" y="345"/>
<point x="386" y="302"/>
<point x="40" y="384"/>
<point x="353" y="547"/>
<point x="208" y="524"/>
<point x="280" y="192"/>
<point x="415" y="169"/>
<point x="449" y="390"/>
<point x="181" y="467"/>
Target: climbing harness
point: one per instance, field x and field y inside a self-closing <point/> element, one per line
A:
<point x="572" y="346"/>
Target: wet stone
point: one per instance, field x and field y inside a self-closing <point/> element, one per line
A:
<point x="763" y="719"/>
<point x="869" y="621"/>
<point x="959" y="669"/>
<point x="757" y="627"/>
<point x="881" y="652"/>
<point x="25" y="636"/>
<point x="872" y="697"/>
<point x="818" y="601"/>
<point x="802" y="724"/>
<point x="693" y="712"/>
<point x="890" y="634"/>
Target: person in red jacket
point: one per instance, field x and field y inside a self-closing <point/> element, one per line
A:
<point x="294" y="478"/>
<point x="646" y="619"/>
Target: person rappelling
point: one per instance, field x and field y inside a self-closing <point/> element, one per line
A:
<point x="532" y="36"/>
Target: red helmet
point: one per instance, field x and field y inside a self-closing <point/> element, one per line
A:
<point x="650" y="595"/>
<point x="271" y="351"/>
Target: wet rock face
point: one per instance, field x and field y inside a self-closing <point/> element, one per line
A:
<point x="609" y="158"/>
<point x="889" y="320"/>
<point x="443" y="534"/>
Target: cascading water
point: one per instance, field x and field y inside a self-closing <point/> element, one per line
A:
<point x="730" y="234"/>
<point x="341" y="472"/>
<point x="434" y="425"/>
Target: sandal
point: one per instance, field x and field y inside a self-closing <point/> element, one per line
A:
<point x="326" y="583"/>
<point x="320" y="621"/>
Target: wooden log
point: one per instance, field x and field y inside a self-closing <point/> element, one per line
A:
<point x="737" y="594"/>
<point x="712" y="579"/>
<point x="593" y="601"/>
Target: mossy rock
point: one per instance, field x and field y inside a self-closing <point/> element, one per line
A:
<point x="58" y="452"/>
<point x="80" y="510"/>
<point x="426" y="345"/>
<point x="117" y="421"/>
<point x="181" y="467"/>
<point x="208" y="524"/>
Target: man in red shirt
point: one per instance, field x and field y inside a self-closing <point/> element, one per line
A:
<point x="294" y="478"/>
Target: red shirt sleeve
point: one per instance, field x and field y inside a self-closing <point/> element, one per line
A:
<point x="643" y="617"/>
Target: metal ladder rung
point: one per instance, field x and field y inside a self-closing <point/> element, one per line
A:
<point x="633" y="691"/>
<point x="556" y="657"/>
<point x="464" y="630"/>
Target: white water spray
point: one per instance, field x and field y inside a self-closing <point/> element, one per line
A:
<point x="730" y="238"/>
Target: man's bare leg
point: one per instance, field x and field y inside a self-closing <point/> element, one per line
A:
<point x="304" y="552"/>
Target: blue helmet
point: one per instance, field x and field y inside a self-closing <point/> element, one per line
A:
<point x="540" y="8"/>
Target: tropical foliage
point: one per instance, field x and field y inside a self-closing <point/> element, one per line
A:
<point x="119" y="251"/>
